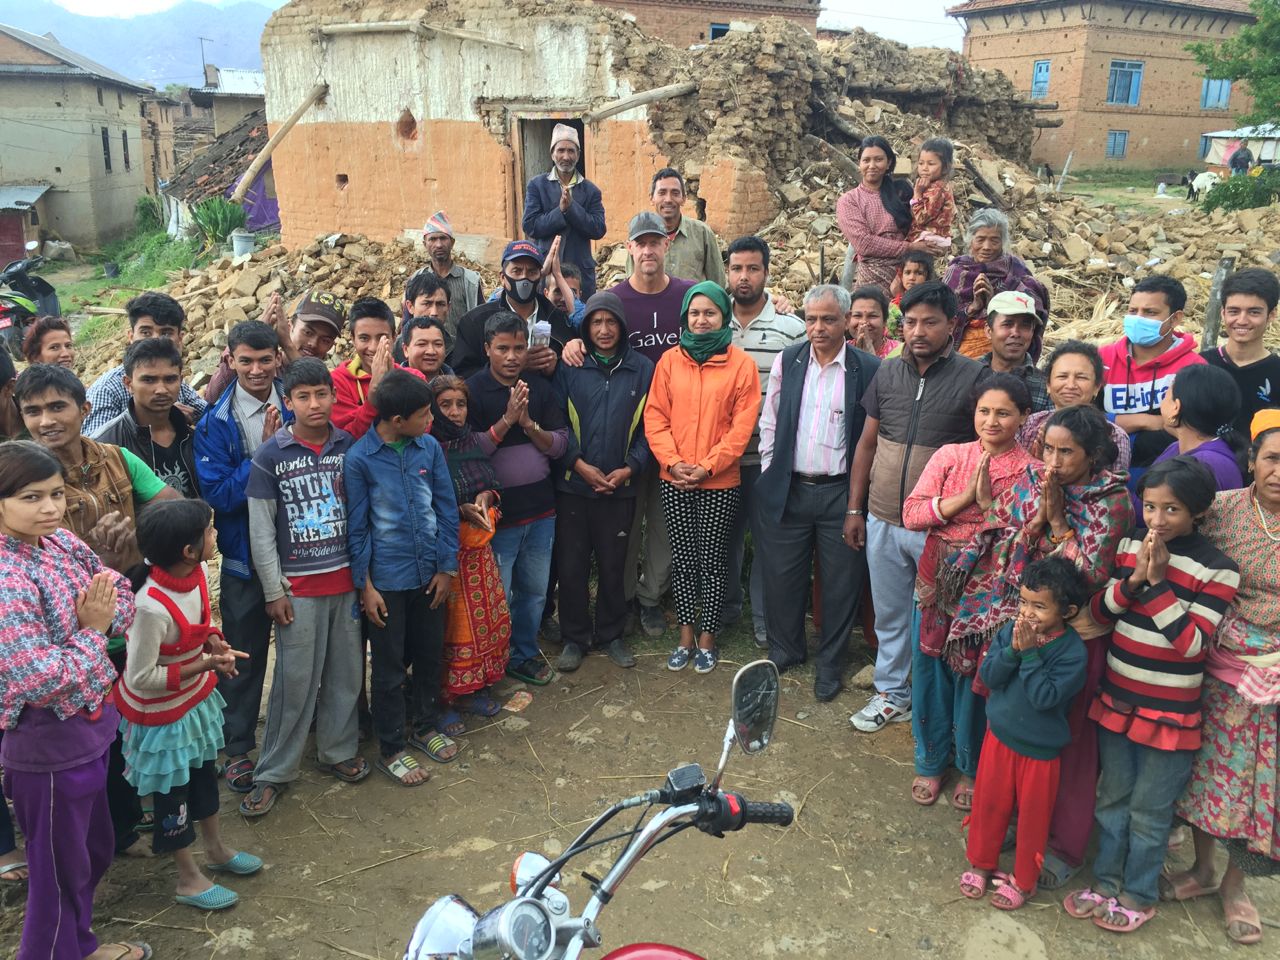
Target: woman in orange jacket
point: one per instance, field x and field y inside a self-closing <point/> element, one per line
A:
<point x="702" y="407"/>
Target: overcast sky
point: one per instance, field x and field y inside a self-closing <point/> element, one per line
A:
<point x="920" y="23"/>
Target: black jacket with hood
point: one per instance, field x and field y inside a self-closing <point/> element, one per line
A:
<point x="605" y="408"/>
<point x="466" y="356"/>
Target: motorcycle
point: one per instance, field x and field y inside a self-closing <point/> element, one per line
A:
<point x="537" y="923"/>
<point x="23" y="297"/>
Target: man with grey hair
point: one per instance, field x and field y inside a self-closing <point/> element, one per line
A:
<point x="810" y="426"/>
<point x="565" y="204"/>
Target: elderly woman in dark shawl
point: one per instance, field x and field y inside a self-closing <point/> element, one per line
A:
<point x="987" y="269"/>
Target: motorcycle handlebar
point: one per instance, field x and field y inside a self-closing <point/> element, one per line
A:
<point x="730" y="811"/>
<point x="777" y="813"/>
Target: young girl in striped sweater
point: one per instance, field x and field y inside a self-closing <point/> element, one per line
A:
<point x="1166" y="597"/>
<point x="168" y="697"/>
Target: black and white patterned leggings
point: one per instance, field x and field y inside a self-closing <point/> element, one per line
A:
<point x="698" y="522"/>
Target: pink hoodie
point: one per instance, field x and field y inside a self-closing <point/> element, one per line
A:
<point x="1132" y="387"/>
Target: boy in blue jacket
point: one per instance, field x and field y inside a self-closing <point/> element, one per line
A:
<point x="595" y="496"/>
<point x="1034" y="668"/>
<point x="227" y="436"/>
<point x="402" y="522"/>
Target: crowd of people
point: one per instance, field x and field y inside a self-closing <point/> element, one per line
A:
<point x="1067" y="569"/>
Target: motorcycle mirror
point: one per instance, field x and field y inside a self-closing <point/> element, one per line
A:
<point x="754" y="702"/>
<point x="31" y="246"/>
<point x="755" y="705"/>
<point x="526" y="867"/>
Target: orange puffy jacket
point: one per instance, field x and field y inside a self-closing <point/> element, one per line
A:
<point x="703" y="414"/>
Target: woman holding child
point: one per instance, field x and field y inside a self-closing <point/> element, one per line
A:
<point x="1235" y="779"/>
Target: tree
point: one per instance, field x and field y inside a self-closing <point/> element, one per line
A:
<point x="176" y="91"/>
<point x="1252" y="55"/>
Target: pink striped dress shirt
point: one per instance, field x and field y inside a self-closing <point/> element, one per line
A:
<point x="820" y="434"/>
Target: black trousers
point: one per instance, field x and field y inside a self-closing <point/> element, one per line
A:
<point x="589" y="527"/>
<point x="248" y="629"/>
<point x="414" y="638"/>
<point x="813" y="519"/>
<point x="178" y="811"/>
<point x="122" y="799"/>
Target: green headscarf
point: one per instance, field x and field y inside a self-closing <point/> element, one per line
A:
<point x="703" y="346"/>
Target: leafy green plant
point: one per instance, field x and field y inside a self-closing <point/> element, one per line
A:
<point x="216" y="218"/>
<point x="148" y="213"/>
<point x="1243" y="193"/>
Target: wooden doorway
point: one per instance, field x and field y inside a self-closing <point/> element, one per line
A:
<point x="532" y="148"/>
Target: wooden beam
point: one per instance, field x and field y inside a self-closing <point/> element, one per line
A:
<point x="1025" y="21"/>
<point x="1037" y="104"/>
<point x="640" y="99"/>
<point x="1047" y="122"/>
<point x="416" y="27"/>
<point x="1213" y="309"/>
<point x="317" y="93"/>
<point x="1044" y="17"/>
<point x="837" y="121"/>
<point x="988" y="191"/>
<point x="836" y="156"/>
<point x="1142" y="19"/>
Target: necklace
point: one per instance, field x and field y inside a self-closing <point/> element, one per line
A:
<point x="1262" y="520"/>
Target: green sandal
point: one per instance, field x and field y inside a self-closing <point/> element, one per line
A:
<point x="434" y="746"/>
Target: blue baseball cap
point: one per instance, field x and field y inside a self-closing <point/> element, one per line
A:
<point x="521" y="248"/>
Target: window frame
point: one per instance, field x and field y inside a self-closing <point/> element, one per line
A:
<point x="124" y="146"/>
<point x="106" y="148"/>
<point x="712" y="28"/>
<point x="1132" y="70"/>
<point x="1041" y="92"/>
<point x="1222" y="101"/>
<point x="1120" y="137"/>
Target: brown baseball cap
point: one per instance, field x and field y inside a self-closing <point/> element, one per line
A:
<point x="320" y="306"/>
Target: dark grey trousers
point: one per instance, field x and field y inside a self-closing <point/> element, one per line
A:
<point x="247" y="628"/>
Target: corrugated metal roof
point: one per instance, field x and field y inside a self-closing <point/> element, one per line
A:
<point x="1268" y="131"/>
<point x="20" y="196"/>
<point x="237" y="83"/>
<point x="79" y="64"/>
<point x="1237" y="7"/>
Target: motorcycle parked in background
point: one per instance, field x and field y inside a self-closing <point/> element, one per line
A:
<point x="23" y="297"/>
<point x="537" y="923"/>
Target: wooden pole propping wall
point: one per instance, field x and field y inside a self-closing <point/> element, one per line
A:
<point x="640" y="99"/>
<point x="317" y="93"/>
<point x="1213" y="309"/>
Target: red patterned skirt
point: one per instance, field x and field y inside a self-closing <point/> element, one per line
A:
<point x="477" y="638"/>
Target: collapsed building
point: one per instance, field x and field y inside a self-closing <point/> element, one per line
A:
<point x="402" y="110"/>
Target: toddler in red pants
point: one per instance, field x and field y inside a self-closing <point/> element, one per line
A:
<point x="1034" y="667"/>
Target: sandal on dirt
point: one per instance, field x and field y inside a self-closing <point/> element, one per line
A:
<point x="9" y="868"/>
<point x="239" y="774"/>
<point x="532" y="671"/>
<point x="1090" y="899"/>
<point x="215" y="898"/>
<point x="1183" y="886"/>
<point x="481" y="705"/>
<point x="976" y="881"/>
<point x="1242" y="911"/>
<point x="397" y="767"/>
<point x="926" y="790"/>
<point x="434" y="746"/>
<point x="1121" y="919"/>
<point x="451" y="724"/>
<point x="242" y="865"/>
<point x="1055" y="872"/>
<point x="1008" y="896"/>
<point x="257" y="803"/>
<point x="962" y="791"/>
<point x="348" y="771"/>
<point x="147" y="823"/>
<point x="127" y="950"/>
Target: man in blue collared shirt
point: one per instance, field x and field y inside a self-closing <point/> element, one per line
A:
<point x="402" y="519"/>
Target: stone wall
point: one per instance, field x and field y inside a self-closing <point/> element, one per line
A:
<point x="684" y="23"/>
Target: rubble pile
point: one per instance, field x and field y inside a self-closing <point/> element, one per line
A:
<point x="232" y="289"/>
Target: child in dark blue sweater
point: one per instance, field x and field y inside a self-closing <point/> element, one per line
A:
<point x="1034" y="668"/>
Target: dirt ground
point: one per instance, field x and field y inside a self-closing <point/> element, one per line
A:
<point x="863" y="872"/>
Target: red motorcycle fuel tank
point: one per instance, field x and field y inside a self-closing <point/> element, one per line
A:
<point x="651" y="951"/>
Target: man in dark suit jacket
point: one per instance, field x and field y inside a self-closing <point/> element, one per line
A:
<point x="809" y="428"/>
<point x="565" y="204"/>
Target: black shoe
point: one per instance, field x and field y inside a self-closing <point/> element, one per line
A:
<point x="652" y="620"/>
<point x="824" y="691"/>
<point x="621" y="654"/>
<point x="570" y="658"/>
<point x="550" y="630"/>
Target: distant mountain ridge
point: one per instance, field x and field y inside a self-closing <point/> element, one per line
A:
<point x="155" y="48"/>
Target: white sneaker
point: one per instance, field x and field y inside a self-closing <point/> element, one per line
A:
<point x="879" y="711"/>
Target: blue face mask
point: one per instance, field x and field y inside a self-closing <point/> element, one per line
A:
<point x="1143" y="331"/>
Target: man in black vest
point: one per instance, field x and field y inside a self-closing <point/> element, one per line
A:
<point x="809" y="428"/>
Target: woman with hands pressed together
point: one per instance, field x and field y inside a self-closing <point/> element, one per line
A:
<point x="58" y="604"/>
<point x="951" y="497"/>
<point x="702" y="407"/>
<point x="1072" y="507"/>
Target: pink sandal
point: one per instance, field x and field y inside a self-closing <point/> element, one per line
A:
<point x="975" y="880"/>
<point x="1089" y="896"/>
<point x="1133" y="919"/>
<point x="1013" y="897"/>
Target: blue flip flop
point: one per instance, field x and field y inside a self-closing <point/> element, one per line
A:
<point x="215" y="898"/>
<point x="242" y="865"/>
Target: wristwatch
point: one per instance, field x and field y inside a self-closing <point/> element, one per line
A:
<point x="855" y="513"/>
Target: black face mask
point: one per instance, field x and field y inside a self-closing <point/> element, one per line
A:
<point x="521" y="291"/>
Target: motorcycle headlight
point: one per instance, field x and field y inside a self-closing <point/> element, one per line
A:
<point x="442" y="930"/>
<point x="518" y="930"/>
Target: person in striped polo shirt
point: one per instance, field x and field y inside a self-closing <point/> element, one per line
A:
<point x="1169" y="591"/>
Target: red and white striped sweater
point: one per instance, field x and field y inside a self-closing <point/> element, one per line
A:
<point x="1155" y="663"/>
<point x="171" y="627"/>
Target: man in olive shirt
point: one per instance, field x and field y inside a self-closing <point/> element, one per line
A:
<point x="694" y="253"/>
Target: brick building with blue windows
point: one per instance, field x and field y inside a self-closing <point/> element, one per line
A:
<point x="1126" y="89"/>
